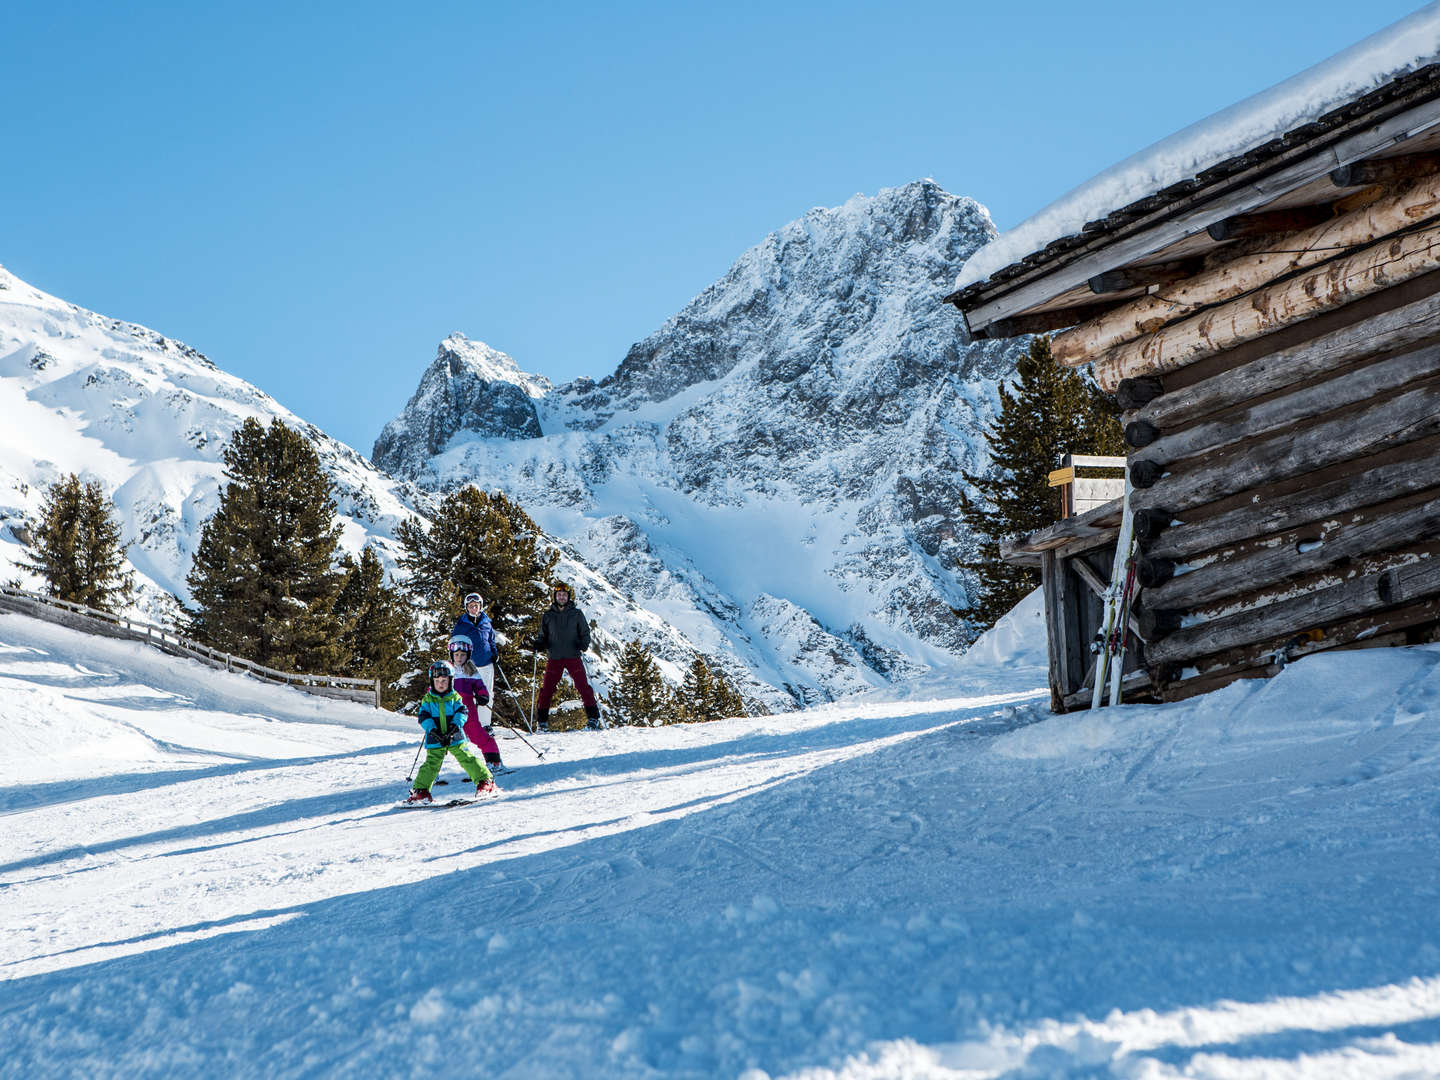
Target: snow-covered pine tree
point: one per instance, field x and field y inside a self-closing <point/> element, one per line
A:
<point x="77" y="548"/>
<point x="1047" y="412"/>
<point x="264" y="579"/>
<point x="705" y="694"/>
<point x="640" y="696"/>
<point x="377" y="624"/>
<point x="483" y="542"/>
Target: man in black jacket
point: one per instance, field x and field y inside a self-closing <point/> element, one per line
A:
<point x="564" y="635"/>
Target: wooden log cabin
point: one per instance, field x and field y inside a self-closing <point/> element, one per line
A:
<point x="1268" y="315"/>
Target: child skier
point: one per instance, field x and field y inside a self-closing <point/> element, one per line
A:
<point x="440" y="714"/>
<point x="470" y="685"/>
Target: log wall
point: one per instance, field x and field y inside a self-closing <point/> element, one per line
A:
<point x="1291" y="502"/>
<point x="1283" y="408"/>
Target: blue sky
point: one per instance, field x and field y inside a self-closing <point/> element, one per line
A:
<point x="316" y="194"/>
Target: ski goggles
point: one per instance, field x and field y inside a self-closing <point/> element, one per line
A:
<point x="474" y="598"/>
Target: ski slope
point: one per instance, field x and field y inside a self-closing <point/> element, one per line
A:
<point x="205" y="876"/>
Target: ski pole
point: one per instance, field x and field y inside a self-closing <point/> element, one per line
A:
<point x="538" y="753"/>
<point x="511" y="691"/>
<point x="534" y="676"/>
<point x="411" y="774"/>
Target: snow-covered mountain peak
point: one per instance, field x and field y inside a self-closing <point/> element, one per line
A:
<point x="776" y="467"/>
<point x="460" y="353"/>
<point x="469" y="390"/>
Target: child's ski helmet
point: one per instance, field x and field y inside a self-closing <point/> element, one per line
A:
<point x="457" y="643"/>
<point x="440" y="670"/>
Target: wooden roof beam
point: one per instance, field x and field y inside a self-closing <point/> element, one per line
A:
<point x="1042" y="322"/>
<point x="1385" y="170"/>
<point x="1132" y="277"/>
<point x="1269" y="222"/>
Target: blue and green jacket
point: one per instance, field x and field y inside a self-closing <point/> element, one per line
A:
<point x="438" y="713"/>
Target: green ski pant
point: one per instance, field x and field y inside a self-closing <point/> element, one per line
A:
<point x="473" y="766"/>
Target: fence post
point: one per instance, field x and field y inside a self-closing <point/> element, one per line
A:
<point x="377" y="693"/>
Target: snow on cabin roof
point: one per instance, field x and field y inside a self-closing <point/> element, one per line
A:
<point x="1405" y="46"/>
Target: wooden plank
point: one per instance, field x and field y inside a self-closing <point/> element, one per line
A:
<point x="1167" y="226"/>
<point x="1060" y="476"/>
<point x="1140" y="277"/>
<point x="1095" y="461"/>
<point x="1393" y="586"/>
<point x="1265" y="512"/>
<point x="1380" y="425"/>
<point x="1385" y="170"/>
<point x="1309" y="401"/>
<point x="1135" y="683"/>
<point x="1078" y="533"/>
<point x="1323" y="288"/>
<point x="1376" y="626"/>
<point x="1050" y="584"/>
<point x="1298" y="554"/>
<point x="1042" y="322"/>
<point x="1269" y="222"/>
<point x="1402" y="328"/>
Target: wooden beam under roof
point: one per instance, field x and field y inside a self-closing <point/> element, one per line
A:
<point x="1142" y="277"/>
<point x="1385" y="170"/>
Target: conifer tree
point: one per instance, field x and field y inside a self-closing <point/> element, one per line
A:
<point x="705" y="694"/>
<point x="77" y="546"/>
<point x="264" y="580"/>
<point x="377" y="624"/>
<point x="482" y="542"/>
<point x="1049" y="411"/>
<point x="640" y="696"/>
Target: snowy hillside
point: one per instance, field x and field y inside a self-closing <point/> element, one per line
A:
<point x="146" y="417"/>
<point x="776" y="469"/>
<point x="202" y="876"/>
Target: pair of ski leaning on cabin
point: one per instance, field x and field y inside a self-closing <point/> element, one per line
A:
<point x="456" y="707"/>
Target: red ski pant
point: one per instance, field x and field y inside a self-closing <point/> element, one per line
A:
<point x="553" y="670"/>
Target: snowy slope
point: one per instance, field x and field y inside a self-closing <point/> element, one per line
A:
<point x="206" y="877"/>
<point x="147" y="417"/>
<point x="1405" y="46"/>
<point x="776" y="469"/>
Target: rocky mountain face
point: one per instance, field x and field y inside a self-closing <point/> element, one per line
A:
<point x="775" y="470"/>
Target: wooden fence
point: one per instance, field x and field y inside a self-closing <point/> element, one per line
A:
<point x="89" y="620"/>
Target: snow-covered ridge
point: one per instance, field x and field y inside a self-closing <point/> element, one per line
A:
<point x="147" y="417"/>
<point x="775" y="470"/>
<point x="1405" y="46"/>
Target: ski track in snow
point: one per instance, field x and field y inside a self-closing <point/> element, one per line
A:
<point x="202" y="875"/>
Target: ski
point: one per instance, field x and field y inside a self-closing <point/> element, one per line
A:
<point x="436" y="805"/>
<point x="1109" y="644"/>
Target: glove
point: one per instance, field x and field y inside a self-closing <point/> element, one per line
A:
<point x="438" y="737"/>
<point x="534" y="644"/>
<point x="482" y="699"/>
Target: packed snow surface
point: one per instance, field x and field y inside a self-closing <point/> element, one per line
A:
<point x="1405" y="46"/>
<point x="205" y="876"/>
